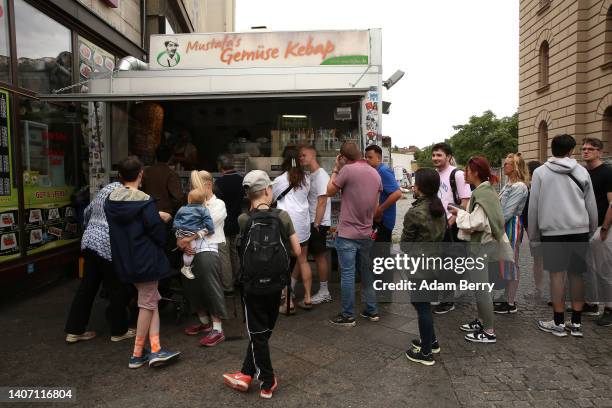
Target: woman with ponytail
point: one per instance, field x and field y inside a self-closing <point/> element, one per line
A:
<point x="513" y="198"/>
<point x="290" y="192"/>
<point x="425" y="222"/>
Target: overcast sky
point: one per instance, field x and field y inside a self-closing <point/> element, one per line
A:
<point x="460" y="57"/>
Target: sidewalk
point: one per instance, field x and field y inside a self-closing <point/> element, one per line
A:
<point x="318" y="365"/>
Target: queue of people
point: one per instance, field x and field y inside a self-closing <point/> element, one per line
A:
<point x="131" y="225"/>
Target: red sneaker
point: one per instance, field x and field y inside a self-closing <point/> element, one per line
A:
<point x="197" y="329"/>
<point x="237" y="381"/>
<point x="267" y="394"/>
<point x="213" y="338"/>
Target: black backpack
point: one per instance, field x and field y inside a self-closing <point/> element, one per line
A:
<point x="264" y="253"/>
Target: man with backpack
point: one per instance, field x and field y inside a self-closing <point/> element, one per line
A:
<point x="453" y="190"/>
<point x="563" y="217"/>
<point x="266" y="237"/>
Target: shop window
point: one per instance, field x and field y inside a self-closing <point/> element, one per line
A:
<point x="5" y="58"/>
<point x="54" y="169"/>
<point x="10" y="242"/>
<point x="544" y="64"/>
<point x="43" y="49"/>
<point x="543" y="141"/>
<point x="606" y="136"/>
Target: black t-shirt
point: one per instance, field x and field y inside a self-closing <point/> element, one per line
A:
<point x="601" y="177"/>
<point x="229" y="189"/>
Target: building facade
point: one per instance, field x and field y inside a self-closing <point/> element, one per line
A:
<point x="46" y="156"/>
<point x="565" y="73"/>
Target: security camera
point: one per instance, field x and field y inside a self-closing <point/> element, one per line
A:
<point x="393" y="79"/>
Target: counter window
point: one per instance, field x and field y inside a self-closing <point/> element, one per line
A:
<point x="254" y="131"/>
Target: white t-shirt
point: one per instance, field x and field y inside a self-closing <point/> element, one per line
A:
<point x="318" y="187"/>
<point x="295" y="202"/>
<point x="446" y="193"/>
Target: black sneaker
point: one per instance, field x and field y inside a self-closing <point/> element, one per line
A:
<point x="473" y="326"/>
<point x="341" y="320"/>
<point x="435" y="347"/>
<point x="606" y="318"/>
<point x="504" y="308"/>
<point x="373" y="317"/>
<point x="481" y="336"/>
<point x="419" y="357"/>
<point x="574" y="329"/>
<point x="590" y="310"/>
<point x="444" y="307"/>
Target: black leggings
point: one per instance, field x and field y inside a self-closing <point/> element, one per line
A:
<point x="426" y="326"/>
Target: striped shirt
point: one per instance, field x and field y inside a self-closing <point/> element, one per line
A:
<point x="96" y="237"/>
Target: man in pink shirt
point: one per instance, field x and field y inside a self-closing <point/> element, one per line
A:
<point x="360" y="185"/>
<point x="453" y="190"/>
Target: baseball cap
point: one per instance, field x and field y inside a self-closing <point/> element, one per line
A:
<point x="256" y="180"/>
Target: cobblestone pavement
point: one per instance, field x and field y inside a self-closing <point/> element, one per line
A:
<point x="318" y="365"/>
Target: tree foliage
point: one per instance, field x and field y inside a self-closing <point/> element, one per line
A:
<point x="484" y="135"/>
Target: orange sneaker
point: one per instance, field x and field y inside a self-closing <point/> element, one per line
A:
<point x="268" y="393"/>
<point x="237" y="381"/>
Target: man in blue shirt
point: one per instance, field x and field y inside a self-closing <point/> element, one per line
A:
<point x="384" y="218"/>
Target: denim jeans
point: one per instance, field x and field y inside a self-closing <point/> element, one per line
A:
<point x="348" y="251"/>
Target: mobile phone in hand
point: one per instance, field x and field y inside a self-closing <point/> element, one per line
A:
<point x="453" y="205"/>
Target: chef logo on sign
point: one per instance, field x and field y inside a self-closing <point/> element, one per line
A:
<point x="169" y="58"/>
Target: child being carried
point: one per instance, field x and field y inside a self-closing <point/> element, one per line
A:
<point x="189" y="220"/>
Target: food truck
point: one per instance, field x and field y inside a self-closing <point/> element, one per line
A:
<point x="250" y="94"/>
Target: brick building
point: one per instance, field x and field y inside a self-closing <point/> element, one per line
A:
<point x="565" y="72"/>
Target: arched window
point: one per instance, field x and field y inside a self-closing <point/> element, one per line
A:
<point x="544" y="51"/>
<point x="606" y="135"/>
<point x="608" y="38"/>
<point x="543" y="141"/>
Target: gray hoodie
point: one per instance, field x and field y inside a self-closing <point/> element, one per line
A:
<point x="557" y="206"/>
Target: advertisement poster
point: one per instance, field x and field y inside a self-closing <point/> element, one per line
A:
<point x="9" y="223"/>
<point x="49" y="217"/>
<point x="93" y="60"/>
<point x="371" y="115"/>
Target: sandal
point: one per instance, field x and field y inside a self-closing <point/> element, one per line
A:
<point x="303" y="305"/>
<point x="283" y="309"/>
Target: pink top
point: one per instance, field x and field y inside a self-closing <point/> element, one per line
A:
<point x="360" y="184"/>
<point x="446" y="193"/>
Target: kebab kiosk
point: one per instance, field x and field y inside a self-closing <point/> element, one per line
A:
<point x="250" y="94"/>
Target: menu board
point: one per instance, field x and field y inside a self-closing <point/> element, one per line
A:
<point x="5" y="148"/>
<point x="93" y="59"/>
<point x="9" y="225"/>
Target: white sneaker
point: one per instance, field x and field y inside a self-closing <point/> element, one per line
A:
<point x="186" y="271"/>
<point x="550" y="327"/>
<point x="321" y="298"/>
<point x="130" y="333"/>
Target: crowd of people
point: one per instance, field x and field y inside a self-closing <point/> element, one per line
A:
<point x="134" y="228"/>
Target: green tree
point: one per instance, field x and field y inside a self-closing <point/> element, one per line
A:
<point x="423" y="157"/>
<point x="486" y="135"/>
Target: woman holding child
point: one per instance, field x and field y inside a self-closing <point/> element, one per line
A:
<point x="205" y="290"/>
